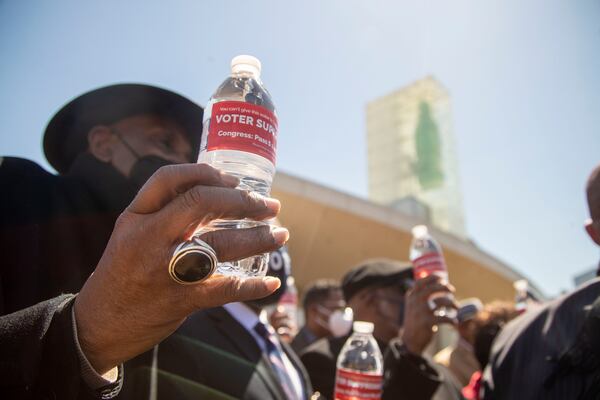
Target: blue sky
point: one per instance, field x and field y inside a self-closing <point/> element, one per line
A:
<point x="523" y="77"/>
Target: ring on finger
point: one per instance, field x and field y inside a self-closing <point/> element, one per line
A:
<point x="192" y="262"/>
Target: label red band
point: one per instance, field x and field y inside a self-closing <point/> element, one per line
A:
<point x="428" y="264"/>
<point x="236" y="125"/>
<point x="350" y="385"/>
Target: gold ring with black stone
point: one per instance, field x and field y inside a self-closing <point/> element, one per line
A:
<point x="192" y="262"/>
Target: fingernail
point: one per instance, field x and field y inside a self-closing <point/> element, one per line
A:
<point x="272" y="204"/>
<point x="281" y="235"/>
<point x="271" y="283"/>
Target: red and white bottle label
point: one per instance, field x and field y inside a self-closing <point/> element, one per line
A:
<point x="351" y="385"/>
<point x="288" y="298"/>
<point x="236" y="125"/>
<point x="429" y="264"/>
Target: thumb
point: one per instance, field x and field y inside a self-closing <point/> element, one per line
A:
<point x="219" y="290"/>
<point x="255" y="288"/>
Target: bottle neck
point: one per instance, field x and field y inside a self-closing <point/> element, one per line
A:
<point x="245" y="74"/>
<point x="362" y="335"/>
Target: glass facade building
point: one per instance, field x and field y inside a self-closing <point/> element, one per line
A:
<point x="412" y="154"/>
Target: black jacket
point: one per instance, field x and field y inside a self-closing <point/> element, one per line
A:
<point x="406" y="376"/>
<point x="38" y="356"/>
<point x="211" y="356"/>
<point x="529" y="358"/>
<point x="53" y="229"/>
<point x="303" y="339"/>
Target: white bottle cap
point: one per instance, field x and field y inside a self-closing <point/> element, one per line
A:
<point x="420" y="231"/>
<point x="521" y="285"/>
<point x="247" y="64"/>
<point x="363" y="327"/>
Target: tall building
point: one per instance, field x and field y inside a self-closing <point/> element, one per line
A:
<point x="412" y="155"/>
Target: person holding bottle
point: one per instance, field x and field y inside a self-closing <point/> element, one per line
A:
<point x="104" y="144"/>
<point x="383" y="292"/>
<point x="224" y="352"/>
<point x="72" y="346"/>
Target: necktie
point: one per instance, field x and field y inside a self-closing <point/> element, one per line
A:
<point x="275" y="355"/>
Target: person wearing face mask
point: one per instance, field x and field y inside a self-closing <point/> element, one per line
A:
<point x="382" y="291"/>
<point x="325" y="313"/>
<point x="223" y="353"/>
<point x="104" y="145"/>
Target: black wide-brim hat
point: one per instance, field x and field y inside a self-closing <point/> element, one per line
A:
<point x="66" y="134"/>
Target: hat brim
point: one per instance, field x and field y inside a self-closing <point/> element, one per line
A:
<point x="66" y="133"/>
<point x="376" y="272"/>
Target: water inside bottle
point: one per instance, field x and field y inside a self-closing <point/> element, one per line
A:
<point x="254" y="171"/>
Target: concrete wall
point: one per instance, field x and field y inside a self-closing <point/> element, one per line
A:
<point x="332" y="231"/>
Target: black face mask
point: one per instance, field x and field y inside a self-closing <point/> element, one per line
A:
<point x="279" y="267"/>
<point x="144" y="167"/>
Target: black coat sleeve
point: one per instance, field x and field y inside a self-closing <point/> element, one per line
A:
<point x="408" y="376"/>
<point x="320" y="367"/>
<point x="39" y="354"/>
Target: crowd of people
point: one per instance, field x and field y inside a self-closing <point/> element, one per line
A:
<point x="88" y="310"/>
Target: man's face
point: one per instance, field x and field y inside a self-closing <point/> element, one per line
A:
<point x="387" y="310"/>
<point x="147" y="135"/>
<point x="333" y="302"/>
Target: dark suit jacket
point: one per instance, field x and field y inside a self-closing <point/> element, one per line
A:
<point x="406" y="376"/>
<point x="524" y="362"/>
<point x="53" y="229"/>
<point x="38" y="356"/>
<point x="211" y="356"/>
<point x="303" y="339"/>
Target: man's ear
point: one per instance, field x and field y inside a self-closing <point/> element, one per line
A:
<point x="592" y="230"/>
<point x="101" y="142"/>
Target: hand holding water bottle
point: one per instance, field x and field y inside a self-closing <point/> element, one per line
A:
<point x="239" y="138"/>
<point x="419" y="320"/>
<point x="427" y="259"/>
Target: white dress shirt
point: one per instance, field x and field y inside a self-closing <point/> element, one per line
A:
<point x="248" y="319"/>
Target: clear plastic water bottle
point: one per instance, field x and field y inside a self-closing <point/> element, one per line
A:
<point x="359" y="374"/>
<point x="288" y="305"/>
<point x="240" y="137"/>
<point x="427" y="259"/>
<point x="521" y="287"/>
